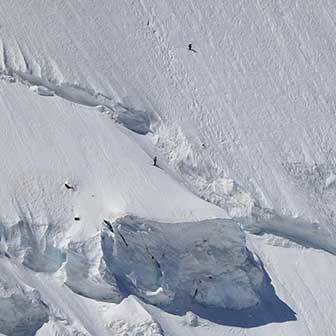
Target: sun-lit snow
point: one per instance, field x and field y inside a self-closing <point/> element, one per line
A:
<point x="233" y="233"/>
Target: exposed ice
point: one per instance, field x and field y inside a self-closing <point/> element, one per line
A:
<point x="180" y="263"/>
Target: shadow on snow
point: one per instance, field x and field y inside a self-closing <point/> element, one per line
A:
<point x="271" y="310"/>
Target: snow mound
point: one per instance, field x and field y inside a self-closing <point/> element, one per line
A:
<point x="121" y="328"/>
<point x="131" y="318"/>
<point x="191" y="319"/>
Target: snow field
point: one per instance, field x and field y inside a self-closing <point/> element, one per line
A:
<point x="247" y="123"/>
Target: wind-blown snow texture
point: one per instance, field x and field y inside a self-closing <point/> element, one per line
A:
<point x="243" y="127"/>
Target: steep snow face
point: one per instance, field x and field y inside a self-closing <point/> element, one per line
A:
<point x="245" y="121"/>
<point x="69" y="172"/>
<point x="132" y="317"/>
<point x="48" y="142"/>
<point x="21" y="308"/>
<point x="85" y="271"/>
<point x="258" y="93"/>
<point x="303" y="279"/>
<point x="204" y="262"/>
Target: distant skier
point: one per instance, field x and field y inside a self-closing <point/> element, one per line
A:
<point x="155" y="161"/>
<point x="190" y="48"/>
<point x="68" y="186"/>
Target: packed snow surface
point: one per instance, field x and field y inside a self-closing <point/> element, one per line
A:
<point x="232" y="233"/>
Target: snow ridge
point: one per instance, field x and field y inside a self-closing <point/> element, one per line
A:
<point x="124" y="111"/>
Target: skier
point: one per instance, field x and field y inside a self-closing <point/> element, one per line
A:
<point x="68" y="186"/>
<point x="154" y="161"/>
<point x="190" y="48"/>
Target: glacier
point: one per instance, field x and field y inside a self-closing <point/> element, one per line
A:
<point x="233" y="233"/>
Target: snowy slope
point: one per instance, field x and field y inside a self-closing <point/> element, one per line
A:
<point x="49" y="141"/>
<point x="303" y="279"/>
<point x="104" y="254"/>
<point x="258" y="94"/>
<point x="246" y="122"/>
